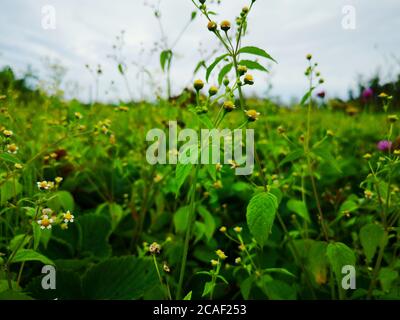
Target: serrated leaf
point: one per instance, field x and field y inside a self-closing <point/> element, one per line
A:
<point x="260" y="216"/>
<point x="256" y="51"/>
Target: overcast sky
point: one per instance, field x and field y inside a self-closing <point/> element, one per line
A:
<point x="288" y="29"/>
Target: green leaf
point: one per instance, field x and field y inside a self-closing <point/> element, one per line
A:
<point x="260" y="216"/>
<point x="256" y="51"/>
<point x="19" y="242"/>
<point x="208" y="288"/>
<point x="14" y="295"/>
<point x="300" y="208"/>
<point x="188" y="296"/>
<point x="23" y="255"/>
<point x="165" y="59"/>
<point x="214" y="64"/>
<point x="245" y="287"/>
<point x="181" y="173"/>
<point x="120" y="69"/>
<point x="208" y="221"/>
<point x="37" y="232"/>
<point x="371" y="237"/>
<point x="306" y="96"/>
<point x="96" y="230"/>
<point x="181" y="219"/>
<point x="386" y="278"/>
<point x="193" y="15"/>
<point x="294" y="155"/>
<point x="121" y="278"/>
<point x="9" y="190"/>
<point x="253" y="65"/>
<point x="9" y="158"/>
<point x="224" y="71"/>
<point x="340" y="255"/>
<point x="201" y="63"/>
<point x="62" y="200"/>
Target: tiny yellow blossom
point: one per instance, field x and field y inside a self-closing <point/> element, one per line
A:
<point x="237" y="229"/>
<point x="222" y="229"/>
<point x="221" y="254"/>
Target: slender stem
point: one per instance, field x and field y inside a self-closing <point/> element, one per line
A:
<point x="188" y="234"/>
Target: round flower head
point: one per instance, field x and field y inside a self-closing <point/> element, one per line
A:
<point x="18" y="166"/>
<point x="242" y="69"/>
<point x="252" y="115"/>
<point x="225" y="25"/>
<point x="12" y="148"/>
<point x="367" y="94"/>
<point x="248" y="79"/>
<point x="384" y="145"/>
<point x="229" y="106"/>
<point x="222" y="229"/>
<point x="198" y="84"/>
<point x="212" y="26"/>
<point x="245" y="9"/>
<point x="68" y="217"/>
<point x="214" y="263"/>
<point x="238" y="260"/>
<point x="58" y="180"/>
<point x="309" y="56"/>
<point x="221" y="254"/>
<point x="166" y="267"/>
<point x="45" y="222"/>
<point x="155" y="248"/>
<point x="213" y="91"/>
<point x="8" y="133"/>
<point x="43" y="185"/>
<point x="237" y="229"/>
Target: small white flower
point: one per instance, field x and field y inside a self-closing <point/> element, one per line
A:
<point x="68" y="217"/>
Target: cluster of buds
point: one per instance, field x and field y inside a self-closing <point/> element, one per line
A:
<point x="198" y="85"/>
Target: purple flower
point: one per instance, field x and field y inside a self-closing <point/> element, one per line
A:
<point x="384" y="145"/>
<point x="367" y="94"/>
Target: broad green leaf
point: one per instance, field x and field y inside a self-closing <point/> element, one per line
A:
<point x="214" y="64"/>
<point x="300" y="208"/>
<point x="181" y="173"/>
<point x="252" y="65"/>
<point x="371" y="237"/>
<point x="208" y="288"/>
<point x="96" y="230"/>
<point x="181" y="219"/>
<point x="9" y="190"/>
<point x="209" y="221"/>
<point x="245" y="287"/>
<point x="23" y="255"/>
<point x="294" y="155"/>
<point x="386" y="277"/>
<point x="340" y="255"/>
<point x="119" y="278"/>
<point x="260" y="216"/>
<point x="19" y="242"/>
<point x="62" y="200"/>
<point x="256" y="51"/>
<point x="224" y="71"/>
